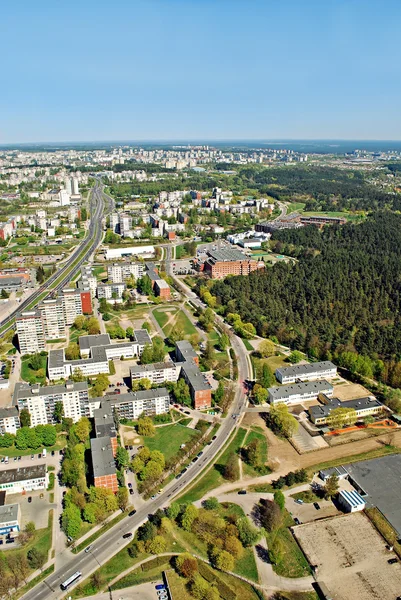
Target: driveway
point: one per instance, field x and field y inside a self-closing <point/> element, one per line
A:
<point x="145" y="591"/>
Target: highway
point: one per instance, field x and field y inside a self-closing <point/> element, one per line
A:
<point x="90" y="243"/>
<point x="112" y="541"/>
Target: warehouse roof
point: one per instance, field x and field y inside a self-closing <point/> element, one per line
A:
<point x="306" y="369"/>
<point x="352" y="498"/>
<point x="227" y="255"/>
<point x="307" y="387"/>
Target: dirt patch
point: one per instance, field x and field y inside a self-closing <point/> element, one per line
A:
<point x="351" y="558"/>
<point x="350" y="391"/>
<point x="354" y="436"/>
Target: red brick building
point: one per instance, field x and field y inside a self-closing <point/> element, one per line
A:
<point x="103" y="463"/>
<point x="162" y="289"/>
<point x="230" y="262"/>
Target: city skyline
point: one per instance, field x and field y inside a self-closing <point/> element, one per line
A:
<point x="170" y="70"/>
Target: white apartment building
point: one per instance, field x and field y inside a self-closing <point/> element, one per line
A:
<point x="53" y="318"/>
<point x="157" y="373"/>
<point x="9" y="420"/>
<point x="30" y="330"/>
<point x="110" y="291"/>
<point x="41" y="401"/>
<point x="306" y="372"/>
<point x="133" y="405"/>
<point x="72" y="305"/>
<point x="120" y="272"/>
<point x="60" y="368"/>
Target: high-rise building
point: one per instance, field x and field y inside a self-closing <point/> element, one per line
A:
<point x="30" y="330"/>
<point x="76" y="303"/>
<point x="120" y="272"/>
<point x="41" y="401"/>
<point x="53" y="318"/>
<point x="68" y="186"/>
<point x="75" y="186"/>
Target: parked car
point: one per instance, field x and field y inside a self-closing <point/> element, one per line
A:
<point x="187" y="412"/>
<point x="392" y="561"/>
<point x="127" y="535"/>
<point x="10" y="541"/>
<point x="131" y="491"/>
<point x="297" y="521"/>
<point x="15" y="458"/>
<point x="299" y="501"/>
<point x="199" y="454"/>
<point x="32" y="456"/>
<point x="19" y="458"/>
<point x="214" y="437"/>
<point x="132" y="513"/>
<point x="130" y="485"/>
<point x="316" y="505"/>
<point x="29" y="499"/>
<point x="53" y="453"/>
<point x="160" y="587"/>
<point x="153" y="497"/>
<point x="39" y="456"/>
<point x="242" y="492"/>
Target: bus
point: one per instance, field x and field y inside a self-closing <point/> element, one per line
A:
<point x="66" y="584"/>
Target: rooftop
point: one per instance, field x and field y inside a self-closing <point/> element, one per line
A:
<point x="23" y="474"/>
<point x="9" y="512"/>
<point x="102" y="457"/>
<point x="142" y="336"/>
<point x="186" y="349"/>
<point x="307" y="369"/>
<point x="227" y="255"/>
<point x="25" y="390"/>
<point x="284" y="391"/>
<point x="353" y="498"/>
<point x="88" y="341"/>
<point x="324" y="410"/>
<point x="195" y="377"/>
<point x="152" y="367"/>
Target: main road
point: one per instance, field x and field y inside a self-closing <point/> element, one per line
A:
<point x="111" y="542"/>
<point x="81" y="254"/>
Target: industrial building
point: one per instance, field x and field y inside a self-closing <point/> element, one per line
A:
<point x="351" y="501"/>
<point x="221" y="263"/>
<point x="306" y="372"/>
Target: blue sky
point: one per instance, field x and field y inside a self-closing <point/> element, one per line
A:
<point x="200" y="69"/>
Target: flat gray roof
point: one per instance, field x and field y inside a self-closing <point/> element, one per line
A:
<point x="104" y="421"/>
<point x="142" y="336"/>
<point x="227" y="255"/>
<point x="195" y="377"/>
<point x="380" y="479"/>
<point x="186" y="349"/>
<point x="277" y="393"/>
<point x="152" y="367"/>
<point x="88" y="341"/>
<point x="323" y="410"/>
<point x="9" y="512"/>
<point x="24" y="390"/>
<point x="23" y="474"/>
<point x="11" y="411"/>
<point x="307" y="369"/>
<point x="102" y="457"/>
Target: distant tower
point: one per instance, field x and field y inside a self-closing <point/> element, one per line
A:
<point x="67" y="183"/>
<point x="75" y="187"/>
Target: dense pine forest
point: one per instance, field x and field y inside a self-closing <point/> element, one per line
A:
<point x="343" y="295"/>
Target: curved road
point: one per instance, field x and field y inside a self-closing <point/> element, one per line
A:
<point x="112" y="541"/>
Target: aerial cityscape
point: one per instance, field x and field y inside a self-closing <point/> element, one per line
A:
<point x="200" y="300"/>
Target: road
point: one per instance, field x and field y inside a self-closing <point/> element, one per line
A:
<point x="112" y="541"/>
<point x="88" y="246"/>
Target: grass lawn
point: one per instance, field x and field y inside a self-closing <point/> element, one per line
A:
<point x="256" y="433"/>
<point x="299" y="595"/>
<point x="213" y="477"/>
<point x="248" y="345"/>
<point x="214" y="337"/>
<point x="168" y="439"/>
<point x="384" y="528"/>
<point x="308" y="496"/>
<point x="181" y="322"/>
<point x="275" y="362"/>
<point x="289" y="561"/>
<point x="28" y="374"/>
<point x="178" y="586"/>
<point x="163" y="316"/>
<point x="139" y="576"/>
<point x="295" y="207"/>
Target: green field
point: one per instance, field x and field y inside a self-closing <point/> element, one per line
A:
<point x="256" y="433"/>
<point x="28" y="374"/>
<point x="289" y="560"/>
<point x="213" y="477"/>
<point x="168" y="439"/>
<point x="179" y="321"/>
<point x="295" y="207"/>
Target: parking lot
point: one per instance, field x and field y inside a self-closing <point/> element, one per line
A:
<point x="350" y="557"/>
<point x="144" y="591"/>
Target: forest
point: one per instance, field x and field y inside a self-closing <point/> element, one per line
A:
<point x="342" y="295"/>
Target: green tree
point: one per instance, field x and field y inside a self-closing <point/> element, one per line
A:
<point x="71" y="521"/>
<point x="295" y="357"/>
<point x="248" y="534"/>
<point x="260" y="394"/>
<point x="93" y="326"/>
<point x="144" y="285"/>
<point x="224" y="342"/>
<point x="122" y="457"/>
<point x="266" y="348"/>
<point x="231" y="469"/>
<point x="72" y="351"/>
<point x="82" y="429"/>
<point x="331" y="487"/>
<point x="282" y="421"/>
<point x="341" y="416"/>
<point x="35" y="362"/>
<point x="173" y="511"/>
<point x="122" y="498"/>
<point x="157" y="546"/>
<point x="188" y="517"/>
<point x="279" y="499"/>
<point x="36" y="558"/>
<point x="58" y="411"/>
<point x="224" y="561"/>
<point x="146" y="427"/>
<point x="25" y="418"/>
<point x="186" y="565"/>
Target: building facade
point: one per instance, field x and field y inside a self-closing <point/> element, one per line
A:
<point x="30" y="331"/>
<point x="157" y="373"/>
<point x="24" y="479"/>
<point x="306" y="372"/>
<point x="299" y="392"/>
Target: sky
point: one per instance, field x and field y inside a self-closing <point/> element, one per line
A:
<point x="92" y="70"/>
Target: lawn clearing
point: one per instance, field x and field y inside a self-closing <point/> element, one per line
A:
<point x="295" y="207"/>
<point x="168" y="439"/>
<point x="213" y="477"/>
<point x="30" y="375"/>
<point x="256" y="433"/>
<point x="181" y="322"/>
<point x="288" y="560"/>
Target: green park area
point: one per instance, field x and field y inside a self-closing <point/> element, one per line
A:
<point x="256" y="466"/>
<point x="176" y="320"/>
<point x="214" y="476"/>
<point x="285" y="555"/>
<point x="33" y="369"/>
<point x="169" y="438"/>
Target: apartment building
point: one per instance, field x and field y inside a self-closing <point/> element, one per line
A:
<point x="110" y="291"/>
<point x="185" y="352"/>
<point x="299" y="392"/>
<point x="9" y="420"/>
<point x="53" y="317"/>
<point x="306" y="372"/>
<point x="76" y="303"/>
<point x="364" y="407"/>
<point x="30" y="331"/>
<point x="229" y="262"/>
<point x="157" y="373"/>
<point x="162" y="289"/>
<point x="134" y="404"/>
<point x="88" y="281"/>
<point x="41" y="401"/>
<point x="120" y="272"/>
